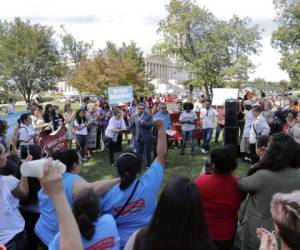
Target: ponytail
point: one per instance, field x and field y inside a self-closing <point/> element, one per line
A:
<point x="126" y="181"/>
<point x="86" y="226"/>
<point x="86" y="210"/>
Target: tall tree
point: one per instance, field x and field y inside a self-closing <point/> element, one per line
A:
<point x="215" y="52"/>
<point x="287" y="37"/>
<point x="74" y="51"/>
<point x="29" y="59"/>
<point x="111" y="66"/>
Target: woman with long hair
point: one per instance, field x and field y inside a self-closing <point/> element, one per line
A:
<point x="69" y="116"/>
<point x="177" y="223"/>
<point x="133" y="201"/>
<point x="80" y="130"/>
<point x="277" y="171"/>
<point x="95" y="230"/>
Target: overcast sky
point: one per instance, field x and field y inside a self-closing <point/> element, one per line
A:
<point x="137" y="20"/>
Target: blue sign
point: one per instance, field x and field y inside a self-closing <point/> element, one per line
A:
<point x="11" y="120"/>
<point x="120" y="95"/>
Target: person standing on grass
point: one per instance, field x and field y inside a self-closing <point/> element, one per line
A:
<point x="10" y="106"/>
<point x="259" y="127"/>
<point x="220" y="197"/>
<point x="142" y="122"/>
<point x="93" y="124"/>
<point x="104" y="116"/>
<point x="133" y="201"/>
<point x="115" y="126"/>
<point x="207" y="116"/>
<point x="69" y="116"/>
<point x="188" y="120"/>
<point x="80" y="130"/>
<point x="220" y="124"/>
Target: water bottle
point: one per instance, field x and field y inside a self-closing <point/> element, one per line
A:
<point x="36" y="168"/>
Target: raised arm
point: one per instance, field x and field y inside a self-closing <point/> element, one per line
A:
<point x="69" y="233"/>
<point x="161" y="142"/>
<point x="100" y="187"/>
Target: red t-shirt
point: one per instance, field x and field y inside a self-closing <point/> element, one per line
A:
<point x="221" y="201"/>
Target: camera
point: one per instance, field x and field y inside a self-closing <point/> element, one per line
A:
<point x="208" y="168"/>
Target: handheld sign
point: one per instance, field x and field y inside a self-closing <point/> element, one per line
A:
<point x="118" y="95"/>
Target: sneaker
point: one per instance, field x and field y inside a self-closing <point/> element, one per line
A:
<point x="203" y="151"/>
<point x="84" y="159"/>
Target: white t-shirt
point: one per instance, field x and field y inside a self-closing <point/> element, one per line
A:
<point x="248" y="122"/>
<point x="80" y="129"/>
<point x="114" y="124"/>
<point x="190" y="117"/>
<point x="10" y="108"/>
<point x="11" y="221"/>
<point x="25" y="133"/>
<point x="207" y="117"/>
<point x="259" y="127"/>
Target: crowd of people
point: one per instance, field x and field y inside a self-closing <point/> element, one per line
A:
<point x="64" y="211"/>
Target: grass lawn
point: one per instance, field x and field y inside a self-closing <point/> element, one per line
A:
<point x="98" y="166"/>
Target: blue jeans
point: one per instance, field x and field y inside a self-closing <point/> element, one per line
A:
<point x="187" y="135"/>
<point x="207" y="135"/>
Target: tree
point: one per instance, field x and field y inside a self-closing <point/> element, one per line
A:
<point x="111" y="66"/>
<point x="287" y="37"/>
<point x="215" y="52"/>
<point x="74" y="51"/>
<point x="29" y="59"/>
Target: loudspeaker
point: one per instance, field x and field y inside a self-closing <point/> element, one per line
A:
<point x="231" y="120"/>
<point x="231" y="136"/>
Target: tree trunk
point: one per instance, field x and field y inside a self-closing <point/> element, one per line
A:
<point x="206" y="90"/>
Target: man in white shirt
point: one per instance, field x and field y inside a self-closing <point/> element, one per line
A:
<point x="259" y="127"/>
<point x="208" y="114"/>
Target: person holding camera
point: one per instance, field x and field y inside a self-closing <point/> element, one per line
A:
<point x="220" y="197"/>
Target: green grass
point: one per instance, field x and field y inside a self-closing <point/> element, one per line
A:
<point x="98" y="167"/>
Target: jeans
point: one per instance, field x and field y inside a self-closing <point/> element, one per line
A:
<point x="19" y="242"/>
<point x="81" y="144"/>
<point x="188" y="135"/>
<point x="207" y="135"/>
<point x="219" y="129"/>
<point x="143" y="150"/>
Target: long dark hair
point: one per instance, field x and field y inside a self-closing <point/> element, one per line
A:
<point x="33" y="183"/>
<point x="78" y="118"/>
<point x="283" y="151"/>
<point x="69" y="157"/>
<point x="86" y="210"/>
<point x="128" y="165"/>
<point x="178" y="221"/>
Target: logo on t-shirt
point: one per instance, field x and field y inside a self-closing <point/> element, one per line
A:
<point x="103" y="244"/>
<point x="132" y="207"/>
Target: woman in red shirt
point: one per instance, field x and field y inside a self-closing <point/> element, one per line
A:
<point x="220" y="197"/>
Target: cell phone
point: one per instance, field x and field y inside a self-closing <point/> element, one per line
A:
<point x="208" y="169"/>
<point x="24" y="151"/>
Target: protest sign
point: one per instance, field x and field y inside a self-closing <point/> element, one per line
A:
<point x="120" y="95"/>
<point x="55" y="141"/>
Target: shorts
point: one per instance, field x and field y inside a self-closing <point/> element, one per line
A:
<point x="245" y="145"/>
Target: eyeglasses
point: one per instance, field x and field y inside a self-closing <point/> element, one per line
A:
<point x="141" y="108"/>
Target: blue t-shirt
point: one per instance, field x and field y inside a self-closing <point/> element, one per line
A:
<point x="106" y="236"/>
<point x="139" y="210"/>
<point x="47" y="225"/>
<point x="165" y="117"/>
